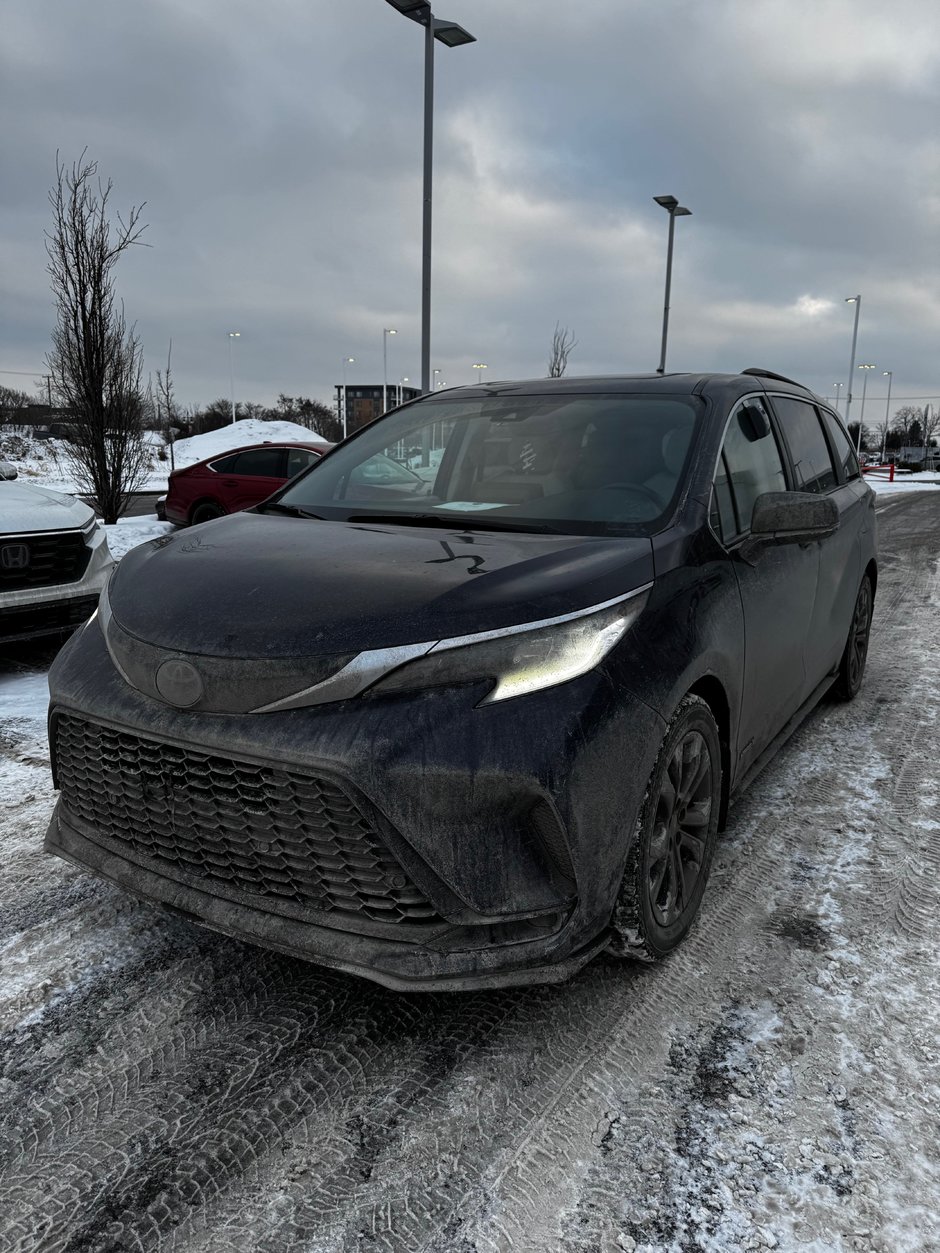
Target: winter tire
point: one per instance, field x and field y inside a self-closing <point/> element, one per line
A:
<point x="852" y="665"/>
<point x="674" y="840"/>
<point x="206" y="512"/>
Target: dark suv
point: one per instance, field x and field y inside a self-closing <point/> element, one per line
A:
<point x="471" y="731"/>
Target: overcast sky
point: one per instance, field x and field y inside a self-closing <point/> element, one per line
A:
<point x="278" y="148"/>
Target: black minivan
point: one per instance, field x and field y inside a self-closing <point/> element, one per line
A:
<point x="469" y="725"/>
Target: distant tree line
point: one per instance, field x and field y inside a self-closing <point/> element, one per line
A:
<point x="197" y="419"/>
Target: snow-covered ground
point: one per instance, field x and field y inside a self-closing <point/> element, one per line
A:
<point x="918" y="481"/>
<point x="775" y="1085"/>
<point x="48" y="462"/>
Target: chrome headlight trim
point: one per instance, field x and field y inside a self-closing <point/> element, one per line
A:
<point x="369" y="667"/>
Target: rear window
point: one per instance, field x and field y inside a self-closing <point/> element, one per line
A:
<point x="845" y="453"/>
<point x="578" y="463"/>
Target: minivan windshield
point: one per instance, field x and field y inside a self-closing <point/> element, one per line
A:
<point x="583" y="464"/>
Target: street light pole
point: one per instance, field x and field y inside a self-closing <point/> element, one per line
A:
<point x="453" y="36"/>
<point x="480" y="365"/>
<point x="346" y="361"/>
<point x="861" y="421"/>
<point x="385" y="334"/>
<point x="675" y="210"/>
<point x="231" y="369"/>
<point x="838" y="387"/>
<point x="857" y="301"/>
<point x="889" y="375"/>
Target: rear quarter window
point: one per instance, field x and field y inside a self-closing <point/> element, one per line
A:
<point x="809" y="451"/>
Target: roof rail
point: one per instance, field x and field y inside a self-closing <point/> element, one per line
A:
<point x="769" y="374"/>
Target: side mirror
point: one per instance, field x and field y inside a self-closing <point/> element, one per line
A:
<point x="753" y="422"/>
<point x="793" y="517"/>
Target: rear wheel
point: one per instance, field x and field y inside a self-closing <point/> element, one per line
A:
<point x="674" y="842"/>
<point x="852" y="665"/>
<point x="206" y="512"/>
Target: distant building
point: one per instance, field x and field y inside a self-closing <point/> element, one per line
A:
<point x="364" y="401"/>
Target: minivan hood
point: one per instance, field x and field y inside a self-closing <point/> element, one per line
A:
<point x="263" y="586"/>
<point x="24" y="507"/>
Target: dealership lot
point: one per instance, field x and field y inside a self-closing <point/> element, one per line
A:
<point x="775" y="1084"/>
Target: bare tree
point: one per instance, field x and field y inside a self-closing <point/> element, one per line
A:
<point x="563" y="341"/>
<point x="12" y="401"/>
<point x="95" y="361"/>
<point x="166" y="404"/>
<point x="930" y="424"/>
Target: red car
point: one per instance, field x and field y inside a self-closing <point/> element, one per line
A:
<point x="235" y="480"/>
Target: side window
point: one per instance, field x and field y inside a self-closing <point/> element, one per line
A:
<point x="225" y="464"/>
<point x="750" y="465"/>
<point x="845" y="453"/>
<point x="261" y="463"/>
<point x="723" y="518"/>
<point x="299" y="459"/>
<point x="812" y="463"/>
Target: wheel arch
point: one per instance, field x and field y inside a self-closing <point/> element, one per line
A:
<point x="872" y="571"/>
<point x="711" y="690"/>
<point x="197" y="504"/>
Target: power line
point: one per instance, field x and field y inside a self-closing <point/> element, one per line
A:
<point x="27" y="374"/>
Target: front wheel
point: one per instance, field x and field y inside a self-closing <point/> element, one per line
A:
<point x="855" y="654"/>
<point x="674" y="841"/>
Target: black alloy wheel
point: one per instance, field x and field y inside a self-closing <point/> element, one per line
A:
<point x="852" y="665"/>
<point x="206" y="512"/>
<point x="669" y="860"/>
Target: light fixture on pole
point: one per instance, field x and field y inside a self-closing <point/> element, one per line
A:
<point x="889" y="375"/>
<point x="452" y="36"/>
<point x="857" y="301"/>
<point x="861" y="421"/>
<point x="401" y="389"/>
<point x="231" y="368"/>
<point x="838" y="387"/>
<point x="675" y="210"/>
<point x="436" y="381"/>
<point x="346" y="361"/>
<point x="385" y="334"/>
<point x="480" y="365"/>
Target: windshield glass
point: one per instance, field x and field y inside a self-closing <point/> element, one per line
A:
<point x="588" y="464"/>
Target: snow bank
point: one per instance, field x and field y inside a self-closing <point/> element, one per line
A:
<point x="918" y="481"/>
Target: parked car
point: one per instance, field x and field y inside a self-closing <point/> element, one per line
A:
<point x="470" y="736"/>
<point x="54" y="561"/>
<point x="235" y="480"/>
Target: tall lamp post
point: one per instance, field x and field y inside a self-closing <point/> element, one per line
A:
<point x="838" y="387"/>
<point x="861" y="421"/>
<point x="231" y="368"/>
<point x="452" y="36"/>
<point x="346" y="361"/>
<point x="479" y="366"/>
<point x="675" y="210"/>
<point x="385" y="334"/>
<point x="889" y="375"/>
<point x="857" y="301"/>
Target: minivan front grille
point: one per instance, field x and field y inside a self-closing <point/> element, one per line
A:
<point x="261" y="830"/>
<point x="42" y="560"/>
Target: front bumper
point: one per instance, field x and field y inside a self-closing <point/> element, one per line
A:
<point x="30" y="613"/>
<point x="450" y="788"/>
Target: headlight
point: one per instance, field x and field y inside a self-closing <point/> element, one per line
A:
<point x="522" y="659"/>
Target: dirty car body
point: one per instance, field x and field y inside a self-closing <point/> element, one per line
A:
<point x="410" y="736"/>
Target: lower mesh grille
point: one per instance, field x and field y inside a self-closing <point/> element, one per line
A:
<point x="258" y="829"/>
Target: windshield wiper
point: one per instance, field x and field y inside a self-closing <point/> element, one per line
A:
<point x="289" y="511"/>
<point x="466" y="523"/>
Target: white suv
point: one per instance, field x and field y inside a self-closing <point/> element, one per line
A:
<point x="54" y="561"/>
